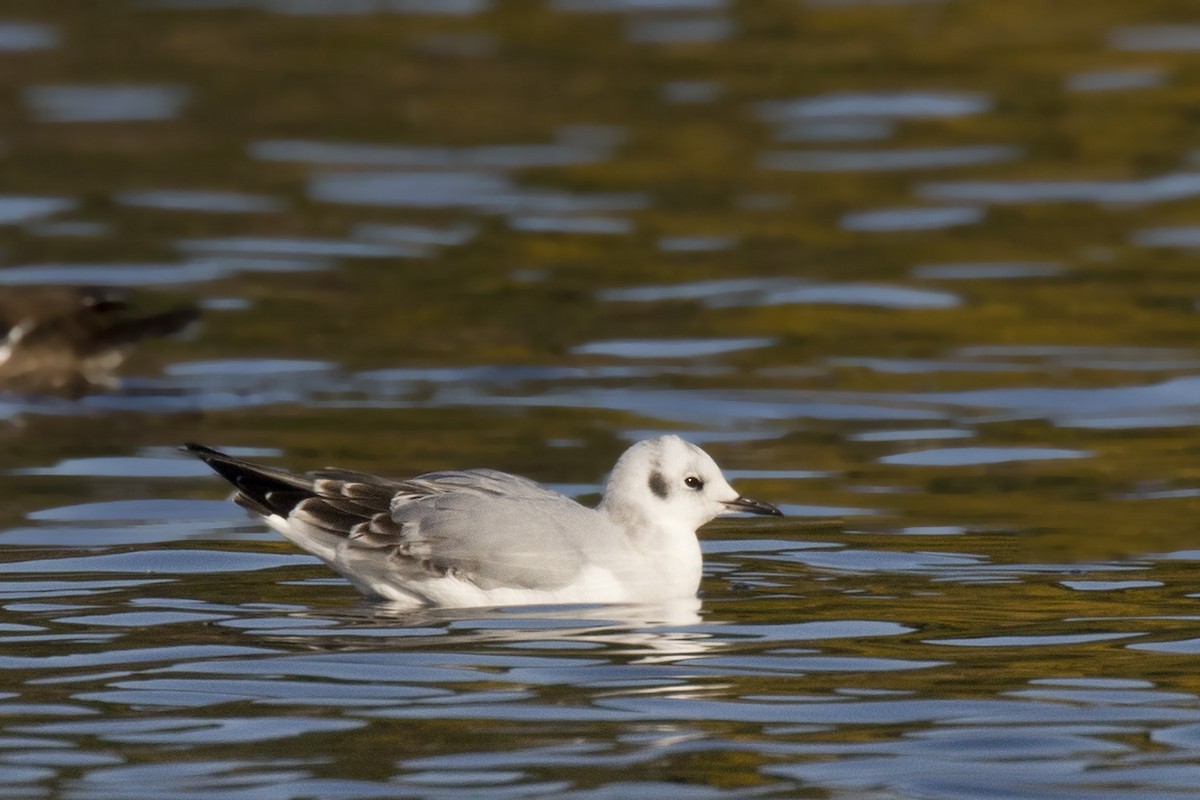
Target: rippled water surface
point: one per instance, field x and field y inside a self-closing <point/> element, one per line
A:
<point x="923" y="273"/>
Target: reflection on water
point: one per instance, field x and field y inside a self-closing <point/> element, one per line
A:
<point x="986" y="271"/>
<point x="105" y="103"/>
<point x="912" y="219"/>
<point x="669" y="348"/>
<point x="1151" y="38"/>
<point x="115" y="274"/>
<point x="478" y="191"/>
<point x="15" y="209"/>
<point x="1158" y="189"/>
<point x="595" y="144"/>
<point x="768" y="292"/>
<point x="888" y="160"/>
<point x="20" y="37"/>
<point x="192" y="200"/>
<point x="1112" y="80"/>
<point x="922" y="272"/>
<point x="893" y="105"/>
<point x="332" y="7"/>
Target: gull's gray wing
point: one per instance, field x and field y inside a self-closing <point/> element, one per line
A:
<point x="487" y="527"/>
<point x="478" y="482"/>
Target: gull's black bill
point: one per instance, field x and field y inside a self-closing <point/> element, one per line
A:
<point x="751" y="506"/>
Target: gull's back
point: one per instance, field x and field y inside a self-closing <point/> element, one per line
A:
<point x="456" y="538"/>
<point x="490" y="529"/>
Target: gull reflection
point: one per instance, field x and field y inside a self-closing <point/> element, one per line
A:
<point x="659" y="632"/>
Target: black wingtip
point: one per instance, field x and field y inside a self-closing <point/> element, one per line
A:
<point x="228" y="467"/>
<point x="263" y="490"/>
<point x="199" y="450"/>
<point x="208" y="455"/>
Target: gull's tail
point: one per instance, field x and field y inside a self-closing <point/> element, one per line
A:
<point x="319" y="511"/>
<point x="262" y="490"/>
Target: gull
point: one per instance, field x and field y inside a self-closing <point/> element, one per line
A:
<point x="66" y="340"/>
<point x="480" y="537"/>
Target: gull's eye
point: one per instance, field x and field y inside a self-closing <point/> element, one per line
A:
<point x="692" y="482"/>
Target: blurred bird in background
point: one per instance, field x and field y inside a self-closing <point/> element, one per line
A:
<point x="67" y="341"/>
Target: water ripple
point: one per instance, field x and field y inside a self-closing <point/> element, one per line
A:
<point x="112" y="103"/>
<point x="889" y="160"/>
<point x="23" y="37"/>
<point x="1165" y="188"/>
<point x="892" y="105"/>
<point x="912" y="219"/>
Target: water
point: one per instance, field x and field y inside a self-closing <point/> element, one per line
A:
<point x="920" y="272"/>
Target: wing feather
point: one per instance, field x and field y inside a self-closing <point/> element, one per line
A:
<point x="484" y="526"/>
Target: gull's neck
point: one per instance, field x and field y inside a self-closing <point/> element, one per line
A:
<point x="625" y="515"/>
<point x="668" y="558"/>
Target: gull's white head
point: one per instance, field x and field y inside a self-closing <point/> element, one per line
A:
<point x="668" y="481"/>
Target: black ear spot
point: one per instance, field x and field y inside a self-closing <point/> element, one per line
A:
<point x="658" y="485"/>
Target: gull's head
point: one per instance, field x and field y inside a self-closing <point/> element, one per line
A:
<point x="666" y="480"/>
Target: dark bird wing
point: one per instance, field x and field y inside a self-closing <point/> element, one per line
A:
<point x="66" y="339"/>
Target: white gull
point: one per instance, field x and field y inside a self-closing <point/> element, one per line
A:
<point x="480" y="537"/>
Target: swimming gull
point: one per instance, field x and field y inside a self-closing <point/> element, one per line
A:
<point x="480" y="537"/>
